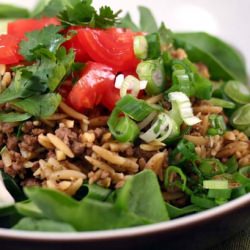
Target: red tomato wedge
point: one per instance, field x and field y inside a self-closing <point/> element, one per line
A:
<point x="9" y="50"/>
<point x="75" y="44"/>
<point x="113" y="47"/>
<point x="95" y="82"/>
<point x="19" y="27"/>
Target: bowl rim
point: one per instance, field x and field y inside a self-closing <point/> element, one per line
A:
<point x="129" y="232"/>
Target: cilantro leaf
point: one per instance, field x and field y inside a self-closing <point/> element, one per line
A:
<point x="40" y="105"/>
<point x="106" y="17"/>
<point x="47" y="38"/>
<point x="44" y="75"/>
<point x="84" y="14"/>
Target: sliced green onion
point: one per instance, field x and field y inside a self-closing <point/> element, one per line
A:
<point x="5" y="197"/>
<point x="137" y="109"/>
<point x="222" y="103"/>
<point x="220" y="194"/>
<point x="243" y="176"/>
<point x="122" y="128"/>
<point x="238" y="92"/>
<point x="128" y="81"/>
<point x="154" y="46"/>
<point x="215" y="184"/>
<point x="147" y="120"/>
<point x="174" y="169"/>
<point x="160" y="130"/>
<point x="153" y="72"/>
<point x="241" y="116"/>
<point x="184" y="106"/>
<point x="141" y="47"/>
<point x="211" y="167"/>
<point x="217" y="123"/>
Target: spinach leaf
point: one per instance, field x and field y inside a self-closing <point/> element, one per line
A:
<point x="29" y="209"/>
<point x="126" y="22"/>
<point x="94" y="192"/>
<point x="223" y="61"/>
<point x="147" y="20"/>
<point x="87" y="214"/>
<point x="40" y="105"/>
<point x="49" y="8"/>
<point x="141" y="195"/>
<point x="31" y="224"/>
<point x="11" y="11"/>
<point x="12" y="187"/>
<point x="46" y="38"/>
<point x="14" y="117"/>
<point x="175" y="212"/>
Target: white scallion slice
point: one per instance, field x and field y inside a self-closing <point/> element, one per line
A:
<point x="160" y="129"/>
<point x="147" y="120"/>
<point x="215" y="184"/>
<point x="5" y="197"/>
<point x="185" y="107"/>
<point x="129" y="83"/>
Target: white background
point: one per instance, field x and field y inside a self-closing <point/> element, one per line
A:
<point x="229" y="19"/>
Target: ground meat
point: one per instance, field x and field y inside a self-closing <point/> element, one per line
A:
<point x="6" y="128"/>
<point x="139" y="153"/>
<point x="12" y="143"/>
<point x="30" y="182"/>
<point x="37" y="131"/>
<point x="27" y="127"/>
<point x="67" y="135"/>
<point x="29" y="143"/>
<point x="2" y="140"/>
<point x="77" y="148"/>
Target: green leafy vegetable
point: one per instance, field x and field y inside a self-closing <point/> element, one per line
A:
<point x="126" y="22"/>
<point x="47" y="38"/>
<point x="49" y="8"/>
<point x="130" y="208"/>
<point x="223" y="61"/>
<point x="28" y="209"/>
<point x="147" y="20"/>
<point x="175" y="212"/>
<point x="141" y="195"/>
<point x="84" y="14"/>
<point x="11" y="11"/>
<point x="237" y="91"/>
<point x="40" y="105"/>
<point x="31" y="224"/>
<point x="14" y="117"/>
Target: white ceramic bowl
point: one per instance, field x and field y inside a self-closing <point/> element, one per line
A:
<point x="228" y="19"/>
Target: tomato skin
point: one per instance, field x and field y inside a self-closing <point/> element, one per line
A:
<point x="75" y="44"/>
<point x="88" y="92"/>
<point x="9" y="50"/>
<point x="19" y="27"/>
<point x="113" y="47"/>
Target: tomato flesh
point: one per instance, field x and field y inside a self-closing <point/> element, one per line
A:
<point x="9" y="50"/>
<point x="96" y="79"/>
<point x="113" y="47"/>
<point x="75" y="44"/>
<point x="19" y="27"/>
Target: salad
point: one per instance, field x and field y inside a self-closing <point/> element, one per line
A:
<point x="107" y="124"/>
